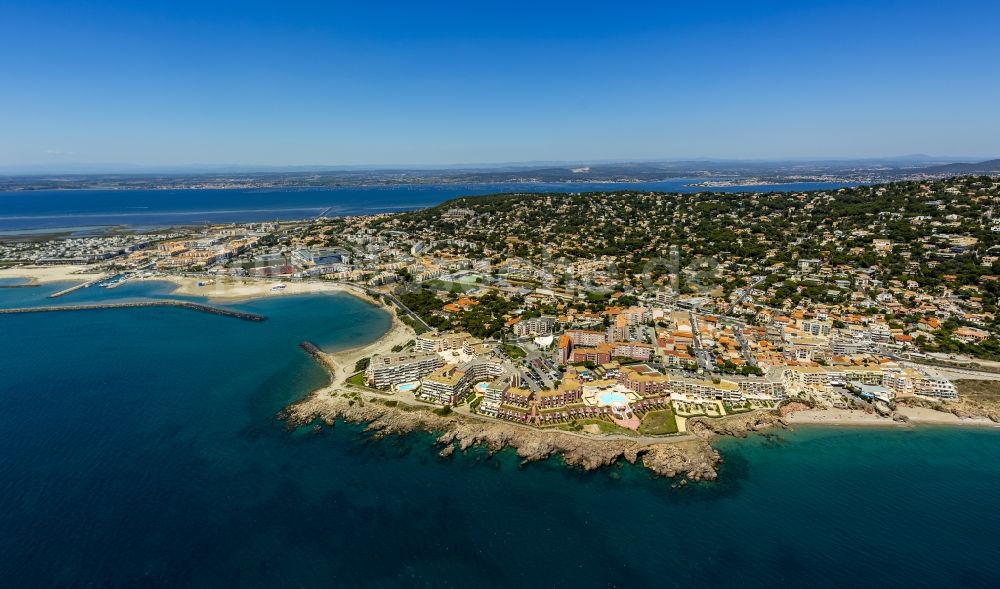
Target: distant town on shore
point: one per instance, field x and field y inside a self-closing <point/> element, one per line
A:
<point x="702" y="173"/>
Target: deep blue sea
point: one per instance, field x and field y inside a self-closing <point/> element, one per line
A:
<point x="139" y="448"/>
<point x="84" y="211"/>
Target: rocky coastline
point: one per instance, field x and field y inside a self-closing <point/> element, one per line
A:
<point x="969" y="407"/>
<point x="735" y="425"/>
<point x="689" y="457"/>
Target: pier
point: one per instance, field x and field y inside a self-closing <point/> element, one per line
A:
<point x="139" y="304"/>
<point x="76" y="287"/>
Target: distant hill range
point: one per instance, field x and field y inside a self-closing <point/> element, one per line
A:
<point x="959" y="169"/>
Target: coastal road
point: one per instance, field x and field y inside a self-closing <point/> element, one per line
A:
<point x="955" y="373"/>
<point x="399" y="304"/>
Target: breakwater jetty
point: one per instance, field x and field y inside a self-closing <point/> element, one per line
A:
<point x="137" y="304"/>
<point x="314" y="351"/>
<point x="76" y="287"/>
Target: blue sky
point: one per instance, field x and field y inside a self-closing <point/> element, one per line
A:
<point x="328" y="83"/>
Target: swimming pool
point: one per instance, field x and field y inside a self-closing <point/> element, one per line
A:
<point x="611" y="398"/>
<point x="481" y="387"/>
<point x="408" y="386"/>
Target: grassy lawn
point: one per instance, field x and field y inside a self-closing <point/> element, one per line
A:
<point x="732" y="408"/>
<point x="450" y="286"/>
<point x="690" y="409"/>
<point x="474" y="403"/>
<point x="657" y="423"/>
<point x="606" y="427"/>
<point x="513" y="351"/>
<point x="358" y="380"/>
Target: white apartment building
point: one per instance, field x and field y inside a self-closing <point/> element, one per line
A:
<point x="800" y="378"/>
<point x="850" y="346"/>
<point x="637" y="315"/>
<point x="387" y="370"/>
<point x="817" y="328"/>
<point x="936" y="386"/>
<point x="434" y="342"/>
<point x="449" y="384"/>
<point x="444" y="386"/>
<point x="588" y="339"/>
<point x="535" y="326"/>
<point x="493" y="397"/>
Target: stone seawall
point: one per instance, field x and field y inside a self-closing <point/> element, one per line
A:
<point x="138" y="304"/>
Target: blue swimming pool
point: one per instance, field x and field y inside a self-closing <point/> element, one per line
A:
<point x="407" y="386"/>
<point x="611" y="398"/>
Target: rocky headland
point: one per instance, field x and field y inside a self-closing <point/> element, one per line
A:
<point x="690" y="457"/>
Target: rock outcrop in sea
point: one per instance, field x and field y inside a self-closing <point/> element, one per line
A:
<point x="736" y="425"/>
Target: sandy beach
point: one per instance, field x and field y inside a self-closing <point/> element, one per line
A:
<point x="344" y="360"/>
<point x="923" y="415"/>
<point x="915" y="416"/>
<point x="43" y="274"/>
<point x="836" y="417"/>
<point x="249" y="288"/>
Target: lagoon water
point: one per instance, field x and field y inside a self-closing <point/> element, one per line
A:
<point x="86" y="211"/>
<point x="139" y="448"/>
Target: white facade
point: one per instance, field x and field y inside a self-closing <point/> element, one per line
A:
<point x="391" y="370"/>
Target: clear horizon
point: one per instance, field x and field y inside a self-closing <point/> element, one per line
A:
<point x="244" y="85"/>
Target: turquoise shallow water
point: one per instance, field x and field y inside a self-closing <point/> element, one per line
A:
<point x="139" y="448"/>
